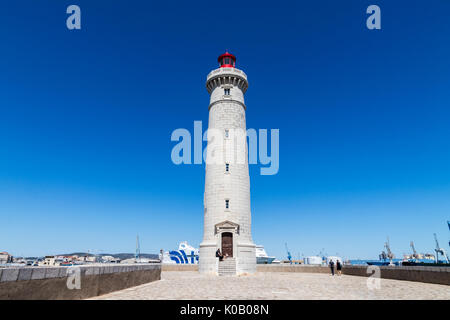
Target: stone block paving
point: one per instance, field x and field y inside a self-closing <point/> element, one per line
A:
<point x="191" y="285"/>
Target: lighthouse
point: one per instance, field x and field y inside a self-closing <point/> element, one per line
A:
<point x="227" y="214"/>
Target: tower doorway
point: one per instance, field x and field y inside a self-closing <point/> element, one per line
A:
<point x="227" y="244"/>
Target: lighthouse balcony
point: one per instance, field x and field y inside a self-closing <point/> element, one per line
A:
<point x="235" y="71"/>
<point x="223" y="76"/>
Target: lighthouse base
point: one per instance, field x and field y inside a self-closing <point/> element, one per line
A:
<point x="244" y="257"/>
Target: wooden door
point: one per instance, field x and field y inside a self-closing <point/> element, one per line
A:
<point x="227" y="244"/>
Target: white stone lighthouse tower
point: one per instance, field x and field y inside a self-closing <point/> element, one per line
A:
<point x="227" y="224"/>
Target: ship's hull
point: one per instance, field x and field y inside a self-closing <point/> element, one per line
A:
<point x="424" y="264"/>
<point x="380" y="263"/>
<point x="264" y="260"/>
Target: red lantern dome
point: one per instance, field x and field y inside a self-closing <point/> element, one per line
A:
<point x="227" y="60"/>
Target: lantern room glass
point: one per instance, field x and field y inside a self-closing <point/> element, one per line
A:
<point x="227" y="61"/>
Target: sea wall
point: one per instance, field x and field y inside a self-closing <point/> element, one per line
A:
<point x="68" y="283"/>
<point x="437" y="275"/>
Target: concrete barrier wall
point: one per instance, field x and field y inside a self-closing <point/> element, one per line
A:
<point x="437" y="275"/>
<point x="44" y="283"/>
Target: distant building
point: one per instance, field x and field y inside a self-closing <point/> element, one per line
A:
<point x="51" y="261"/>
<point x="5" y="257"/>
<point x="91" y="259"/>
<point x="129" y="261"/>
<point x="81" y="258"/>
<point x="19" y="260"/>
<point x="108" y="258"/>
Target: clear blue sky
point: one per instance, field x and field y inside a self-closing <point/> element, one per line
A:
<point x="86" y="118"/>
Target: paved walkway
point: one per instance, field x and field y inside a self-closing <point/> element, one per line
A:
<point x="276" y="285"/>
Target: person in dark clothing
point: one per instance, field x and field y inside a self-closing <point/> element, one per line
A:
<point x="219" y="255"/>
<point x="339" y="267"/>
<point x="332" y="267"/>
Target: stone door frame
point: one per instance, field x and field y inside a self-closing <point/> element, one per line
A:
<point x="223" y="227"/>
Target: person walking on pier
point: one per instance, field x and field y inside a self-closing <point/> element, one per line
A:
<point x="339" y="268"/>
<point x="332" y="267"/>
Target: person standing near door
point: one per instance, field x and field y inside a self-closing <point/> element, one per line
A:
<point x="219" y="255"/>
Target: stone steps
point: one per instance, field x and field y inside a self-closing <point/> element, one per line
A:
<point x="227" y="267"/>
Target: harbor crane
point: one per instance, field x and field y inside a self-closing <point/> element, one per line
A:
<point x="390" y="255"/>
<point x="440" y="251"/>
<point x="288" y="253"/>
<point x="448" y="223"/>
<point x="415" y="254"/>
<point x="382" y="256"/>
<point x="138" y="250"/>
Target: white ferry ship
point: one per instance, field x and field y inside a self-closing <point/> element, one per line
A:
<point x="185" y="254"/>
<point x="261" y="256"/>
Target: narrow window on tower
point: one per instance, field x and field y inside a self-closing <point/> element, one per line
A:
<point x="227" y="133"/>
<point x="227" y="167"/>
<point x="227" y="204"/>
<point x="227" y="92"/>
